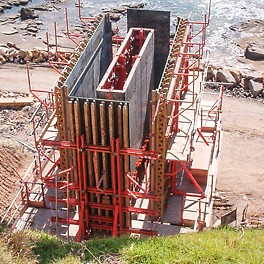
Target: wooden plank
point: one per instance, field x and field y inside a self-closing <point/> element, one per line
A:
<point x="64" y="152"/>
<point x="103" y="143"/>
<point x="104" y="170"/>
<point x="111" y="124"/>
<point x="120" y="136"/>
<point x="126" y="159"/>
<point x="201" y="161"/>
<point x="73" y="177"/>
<point x="88" y="140"/>
<point x="95" y="133"/>
<point x="152" y="144"/>
<point x="15" y="103"/>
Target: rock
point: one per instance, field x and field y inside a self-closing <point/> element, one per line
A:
<point x="10" y="44"/>
<point x="226" y="77"/>
<point x="137" y="5"/>
<point x="114" y="17"/>
<point x="8" y="30"/>
<point x="3" y="51"/>
<point x="256" y="88"/>
<point x="244" y="84"/>
<point x="210" y="73"/>
<point x="35" y="53"/>
<point x="254" y="75"/>
<point x="29" y="54"/>
<point x="14" y="17"/>
<point x="2" y="10"/>
<point x="22" y="54"/>
<point x="2" y="59"/>
<point x="23" y="2"/>
<point x="45" y="55"/>
<point x="237" y="75"/>
<point x="32" y="29"/>
<point x="27" y="13"/>
<point x="8" y="6"/>
<point x="255" y="51"/>
<point x="121" y="9"/>
<point x="262" y="93"/>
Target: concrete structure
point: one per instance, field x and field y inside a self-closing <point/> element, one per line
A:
<point x="160" y="22"/>
<point x="115" y="152"/>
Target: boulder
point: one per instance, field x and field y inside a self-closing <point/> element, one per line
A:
<point x="262" y="93"/>
<point x="137" y="5"/>
<point x="255" y="51"/>
<point x="8" y="30"/>
<point x="210" y="73"/>
<point x="114" y="17"/>
<point x="121" y="9"/>
<point x="244" y="84"/>
<point x="27" y="13"/>
<point x="45" y="55"/>
<point x="2" y="10"/>
<point x="3" y="51"/>
<point x="23" y="2"/>
<point x="35" y="53"/>
<point x="237" y="75"/>
<point x="32" y="29"/>
<point x="22" y="54"/>
<point x="29" y="54"/>
<point x="254" y="75"/>
<point x="256" y="88"/>
<point x="226" y="77"/>
<point x="10" y="44"/>
<point x="2" y="60"/>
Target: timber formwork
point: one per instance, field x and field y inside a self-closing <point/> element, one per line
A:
<point x="115" y="148"/>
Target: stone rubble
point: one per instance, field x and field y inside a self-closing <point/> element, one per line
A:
<point x="236" y="82"/>
<point x="15" y="55"/>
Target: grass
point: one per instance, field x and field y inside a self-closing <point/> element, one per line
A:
<point x="218" y="246"/>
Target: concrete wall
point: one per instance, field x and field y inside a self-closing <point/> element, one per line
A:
<point x="138" y="87"/>
<point x="136" y="90"/>
<point x="160" y="22"/>
<point x="93" y="63"/>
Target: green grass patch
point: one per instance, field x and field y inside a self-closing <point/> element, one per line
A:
<point x="218" y="246"/>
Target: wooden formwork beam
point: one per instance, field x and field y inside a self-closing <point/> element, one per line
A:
<point x="95" y="141"/>
<point x="88" y="140"/>
<point x="126" y="159"/>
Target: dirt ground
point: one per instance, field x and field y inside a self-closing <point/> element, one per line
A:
<point x="13" y="162"/>
<point x="240" y="179"/>
<point x="16" y="128"/>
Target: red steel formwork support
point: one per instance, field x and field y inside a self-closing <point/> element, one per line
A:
<point x="123" y="62"/>
<point x="117" y="193"/>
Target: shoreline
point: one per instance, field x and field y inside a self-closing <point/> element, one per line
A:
<point x="20" y="38"/>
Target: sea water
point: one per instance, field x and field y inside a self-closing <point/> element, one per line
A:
<point x="224" y="13"/>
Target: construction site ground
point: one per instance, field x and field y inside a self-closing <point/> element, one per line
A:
<point x="240" y="179"/>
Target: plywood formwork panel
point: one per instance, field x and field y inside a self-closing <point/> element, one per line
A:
<point x="92" y="63"/>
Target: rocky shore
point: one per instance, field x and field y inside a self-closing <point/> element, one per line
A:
<point x="243" y="76"/>
<point x="22" y="36"/>
<point x="237" y="82"/>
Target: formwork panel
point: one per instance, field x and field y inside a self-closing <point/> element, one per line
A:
<point x="160" y="22"/>
<point x="136" y="89"/>
<point x="92" y="63"/>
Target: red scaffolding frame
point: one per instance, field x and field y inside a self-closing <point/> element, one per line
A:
<point x="179" y="78"/>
